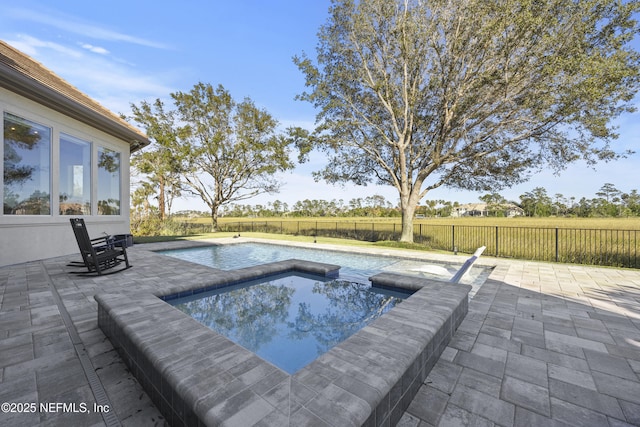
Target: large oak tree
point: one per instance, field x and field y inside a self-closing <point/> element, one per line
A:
<point x="468" y="94"/>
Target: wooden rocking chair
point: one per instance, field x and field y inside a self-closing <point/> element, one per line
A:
<point x="101" y="253"/>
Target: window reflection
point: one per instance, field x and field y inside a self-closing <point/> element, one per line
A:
<point x="108" y="182"/>
<point x="75" y="176"/>
<point x="27" y="159"/>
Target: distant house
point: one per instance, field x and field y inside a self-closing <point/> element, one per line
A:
<point x="483" y="209"/>
<point x="64" y="155"/>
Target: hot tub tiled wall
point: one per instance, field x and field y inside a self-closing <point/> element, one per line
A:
<point x="197" y="377"/>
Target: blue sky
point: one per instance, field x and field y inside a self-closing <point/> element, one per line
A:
<point x="121" y="52"/>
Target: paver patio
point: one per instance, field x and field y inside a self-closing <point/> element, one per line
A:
<point x="543" y="344"/>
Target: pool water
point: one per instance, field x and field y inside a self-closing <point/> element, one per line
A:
<point x="289" y="319"/>
<point x="354" y="266"/>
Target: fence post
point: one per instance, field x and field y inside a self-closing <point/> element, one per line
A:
<point x="453" y="238"/>
<point x="557" y="255"/>
<point x="496" y="240"/>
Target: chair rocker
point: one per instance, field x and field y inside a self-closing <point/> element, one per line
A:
<point x="98" y="254"/>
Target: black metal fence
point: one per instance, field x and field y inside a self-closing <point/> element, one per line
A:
<point x="618" y="248"/>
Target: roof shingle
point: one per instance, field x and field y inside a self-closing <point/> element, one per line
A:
<point x="25" y="76"/>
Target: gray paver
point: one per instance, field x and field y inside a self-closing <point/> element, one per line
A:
<point x="571" y="345"/>
<point x="526" y="418"/>
<point x="612" y="365"/>
<point x="576" y="415"/>
<point x="555" y="357"/>
<point x="444" y="376"/>
<point x="577" y="323"/>
<point x="510" y="346"/>
<point x="585" y="398"/>
<point x="491" y="408"/>
<point x="480" y="381"/>
<point x="428" y="405"/>
<point x="631" y="412"/>
<point x="571" y="376"/>
<point x="527" y="369"/>
<point x="625" y="389"/>
<point x="456" y="416"/>
<point x="480" y="363"/>
<point x="526" y="395"/>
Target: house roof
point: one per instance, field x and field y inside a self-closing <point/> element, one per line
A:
<point x="483" y="206"/>
<point x="473" y="206"/>
<point x="21" y="74"/>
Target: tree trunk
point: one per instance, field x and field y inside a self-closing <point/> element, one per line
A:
<point x="161" y="204"/>
<point x="407" y="222"/>
<point x="214" y="220"/>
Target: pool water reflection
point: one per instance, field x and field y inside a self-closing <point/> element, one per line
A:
<point x="289" y="319"/>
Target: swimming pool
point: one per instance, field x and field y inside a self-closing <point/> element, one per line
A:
<point x="289" y="319"/>
<point x="354" y="266"/>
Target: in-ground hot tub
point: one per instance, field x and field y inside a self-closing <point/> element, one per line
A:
<point x="198" y="377"/>
<point x="289" y="319"/>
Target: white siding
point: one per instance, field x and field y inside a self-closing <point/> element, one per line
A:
<point x="31" y="237"/>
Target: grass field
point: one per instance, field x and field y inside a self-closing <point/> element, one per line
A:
<point x="631" y="223"/>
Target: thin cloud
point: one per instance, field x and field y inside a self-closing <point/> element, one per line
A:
<point x="30" y="45"/>
<point x="110" y="82"/>
<point x="72" y="25"/>
<point x="95" y="49"/>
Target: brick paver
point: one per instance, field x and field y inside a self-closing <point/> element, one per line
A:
<point x="571" y="336"/>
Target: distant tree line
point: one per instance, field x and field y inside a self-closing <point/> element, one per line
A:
<point x="608" y="202"/>
<point x="372" y="206"/>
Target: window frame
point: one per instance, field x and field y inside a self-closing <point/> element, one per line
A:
<point x="66" y="137"/>
<point x="106" y="149"/>
<point x="58" y="130"/>
<point x="50" y="180"/>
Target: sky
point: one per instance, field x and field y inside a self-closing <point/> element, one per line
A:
<point x="121" y="53"/>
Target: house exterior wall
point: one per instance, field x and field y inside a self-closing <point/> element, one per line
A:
<point x="26" y="238"/>
<point x="480" y="210"/>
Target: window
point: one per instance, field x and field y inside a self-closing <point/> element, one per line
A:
<point x="27" y="171"/>
<point x="84" y="175"/>
<point x="75" y="176"/>
<point x="108" y="182"/>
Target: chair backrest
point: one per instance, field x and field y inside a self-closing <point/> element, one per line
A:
<point x="82" y="237"/>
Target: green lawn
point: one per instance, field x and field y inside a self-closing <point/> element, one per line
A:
<point x="631" y="223"/>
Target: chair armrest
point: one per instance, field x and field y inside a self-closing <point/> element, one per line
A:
<point x="120" y="240"/>
<point x="103" y="239"/>
<point x="103" y="243"/>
